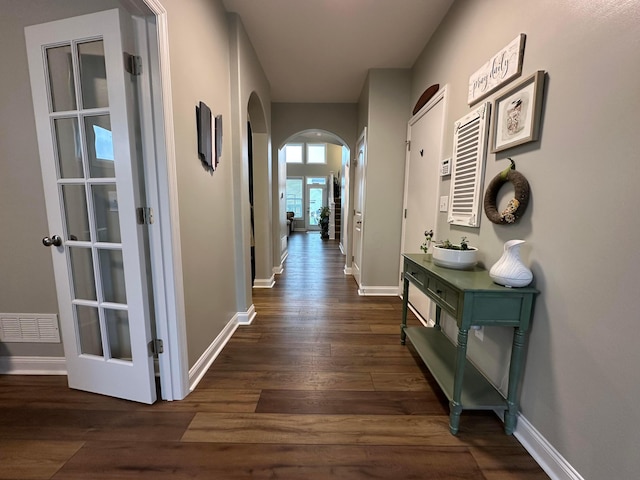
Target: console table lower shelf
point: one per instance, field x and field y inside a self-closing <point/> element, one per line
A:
<point x="439" y="355"/>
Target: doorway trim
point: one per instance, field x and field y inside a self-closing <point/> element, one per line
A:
<point x="441" y="96"/>
<point x="151" y="29"/>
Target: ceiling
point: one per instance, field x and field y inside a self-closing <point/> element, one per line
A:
<point x="319" y="51"/>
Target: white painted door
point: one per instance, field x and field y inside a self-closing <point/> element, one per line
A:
<point x="359" y="168"/>
<point x="85" y="119"/>
<point x="345" y="201"/>
<point x="422" y="179"/>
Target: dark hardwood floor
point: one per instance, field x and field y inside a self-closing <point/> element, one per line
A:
<point x="318" y="387"/>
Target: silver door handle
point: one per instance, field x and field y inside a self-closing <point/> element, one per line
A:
<point x="54" y="240"/>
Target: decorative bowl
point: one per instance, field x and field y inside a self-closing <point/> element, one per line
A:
<point x="456" y="259"/>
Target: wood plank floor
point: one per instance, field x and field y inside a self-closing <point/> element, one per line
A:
<point x="318" y="387"/>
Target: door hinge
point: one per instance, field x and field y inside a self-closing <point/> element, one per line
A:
<point x="408" y="142"/>
<point x="353" y="258"/>
<point x="144" y="215"/>
<point x="156" y="347"/>
<point x="405" y="213"/>
<point x="133" y="64"/>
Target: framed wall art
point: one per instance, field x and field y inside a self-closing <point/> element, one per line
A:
<point x="516" y="113"/>
<point x="203" y="125"/>
<point x="218" y="139"/>
<point x="503" y="67"/>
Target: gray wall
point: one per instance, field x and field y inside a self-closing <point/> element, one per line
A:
<point x="214" y="207"/>
<point x="26" y="281"/>
<point x="385" y="102"/>
<point x="199" y="42"/>
<point x="334" y="164"/>
<point x="581" y="382"/>
<point x="250" y="97"/>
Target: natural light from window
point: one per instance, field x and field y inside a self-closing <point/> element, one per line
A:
<point x="293" y="153"/>
<point x="294" y="189"/>
<point x="316" y="153"/>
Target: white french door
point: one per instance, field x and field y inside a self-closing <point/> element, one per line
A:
<point x="86" y="123"/>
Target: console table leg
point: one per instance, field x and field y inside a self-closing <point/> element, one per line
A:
<point x="405" y="301"/>
<point x="438" y="317"/>
<point x="515" y="373"/>
<point x="461" y="359"/>
<point x="454" y="417"/>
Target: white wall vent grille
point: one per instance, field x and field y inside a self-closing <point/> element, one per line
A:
<point x="29" y="327"/>
<point x="469" y="154"/>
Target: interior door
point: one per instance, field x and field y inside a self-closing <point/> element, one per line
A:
<point x="358" y="205"/>
<point x="83" y="103"/>
<point x="315" y="199"/>
<point x="422" y="179"/>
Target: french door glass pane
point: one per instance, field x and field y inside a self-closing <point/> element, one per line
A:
<point x="99" y="146"/>
<point x="118" y="333"/>
<point x="105" y="207"/>
<point x="68" y="148"/>
<point x="89" y="330"/>
<point x="75" y="212"/>
<point x="315" y="202"/>
<point x="61" y="83"/>
<point x="93" y="75"/>
<point x="84" y="286"/>
<point x="112" y="274"/>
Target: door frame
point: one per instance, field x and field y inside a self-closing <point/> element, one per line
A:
<point x="362" y="138"/>
<point x="441" y="96"/>
<point x="307" y="198"/>
<point x="158" y="145"/>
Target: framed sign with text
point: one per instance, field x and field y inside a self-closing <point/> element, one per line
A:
<point x="503" y="67"/>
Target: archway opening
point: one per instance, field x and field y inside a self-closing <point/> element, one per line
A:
<point x="317" y="176"/>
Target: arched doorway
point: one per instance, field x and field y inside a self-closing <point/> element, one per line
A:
<point x="259" y="192"/>
<point x="316" y="174"/>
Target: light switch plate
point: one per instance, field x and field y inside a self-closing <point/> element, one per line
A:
<point x="444" y="203"/>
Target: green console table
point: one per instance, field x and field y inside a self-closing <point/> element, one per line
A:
<point x="472" y="298"/>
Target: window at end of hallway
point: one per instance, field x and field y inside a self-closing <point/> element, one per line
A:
<point x="316" y="153"/>
<point x="293" y="153"/>
<point x="294" y="191"/>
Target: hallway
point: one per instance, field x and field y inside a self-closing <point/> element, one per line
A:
<point x="317" y="387"/>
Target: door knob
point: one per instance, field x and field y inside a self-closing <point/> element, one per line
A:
<point x="54" y="240"/>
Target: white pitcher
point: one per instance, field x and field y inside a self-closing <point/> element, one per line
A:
<point x="509" y="269"/>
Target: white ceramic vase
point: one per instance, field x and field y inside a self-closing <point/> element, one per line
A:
<point x="509" y="269"/>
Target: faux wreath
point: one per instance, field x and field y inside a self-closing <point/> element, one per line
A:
<point x="516" y="206"/>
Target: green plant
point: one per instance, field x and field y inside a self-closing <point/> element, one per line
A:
<point x="324" y="213"/>
<point x="464" y="244"/>
<point x="428" y="236"/>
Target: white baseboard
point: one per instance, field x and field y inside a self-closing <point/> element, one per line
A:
<point x="264" y="282"/>
<point x="33" y="366"/>
<point x="278" y="270"/>
<point x="365" y="291"/>
<point x="549" y="459"/>
<point x="246" y="318"/>
<point x="348" y="270"/>
<point x="211" y="353"/>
